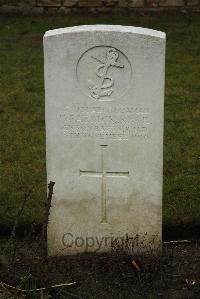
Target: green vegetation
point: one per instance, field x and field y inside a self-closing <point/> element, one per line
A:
<point x="22" y="113"/>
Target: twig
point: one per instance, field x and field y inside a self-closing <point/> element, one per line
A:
<point x="69" y="294"/>
<point x="27" y="237"/>
<point x="3" y="261"/>
<point x="43" y="235"/>
<point x="177" y="241"/>
<point x="136" y="265"/>
<point x="13" y="231"/>
<point x="3" y="284"/>
<point x="20" y="211"/>
<point x="41" y="294"/>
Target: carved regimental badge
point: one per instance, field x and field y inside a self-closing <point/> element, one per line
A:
<point x="104" y="73"/>
<point x="105" y="84"/>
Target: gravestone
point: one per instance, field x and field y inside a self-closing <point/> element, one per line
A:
<point x="104" y="90"/>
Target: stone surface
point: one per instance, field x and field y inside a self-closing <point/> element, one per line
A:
<point x="29" y="3"/>
<point x="192" y="2"/>
<point x="91" y="3"/>
<point x="123" y="3"/>
<point x="131" y="3"/>
<point x="37" y="10"/>
<point x="152" y="3"/>
<point x="29" y="7"/>
<point x="51" y="3"/>
<point x="104" y="90"/>
<point x="137" y="3"/>
<point x="70" y="3"/>
<point x="171" y="3"/>
<point x="109" y="3"/>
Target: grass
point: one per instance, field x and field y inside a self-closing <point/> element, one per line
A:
<point x="22" y="113"/>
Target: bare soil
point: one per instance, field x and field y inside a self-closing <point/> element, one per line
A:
<point x="174" y="275"/>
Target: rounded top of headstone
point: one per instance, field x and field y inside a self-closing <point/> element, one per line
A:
<point x="106" y="28"/>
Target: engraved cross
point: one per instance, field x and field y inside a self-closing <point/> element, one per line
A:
<point x="103" y="174"/>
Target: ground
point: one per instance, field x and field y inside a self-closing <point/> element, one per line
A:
<point x="175" y="275"/>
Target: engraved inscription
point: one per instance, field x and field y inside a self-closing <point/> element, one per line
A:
<point x="118" y="122"/>
<point x="103" y="174"/>
<point x="104" y="73"/>
<point x="106" y="82"/>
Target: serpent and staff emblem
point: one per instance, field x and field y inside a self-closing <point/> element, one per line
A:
<point x="105" y="84"/>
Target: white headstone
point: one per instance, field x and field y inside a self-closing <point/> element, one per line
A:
<point x="104" y="90"/>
